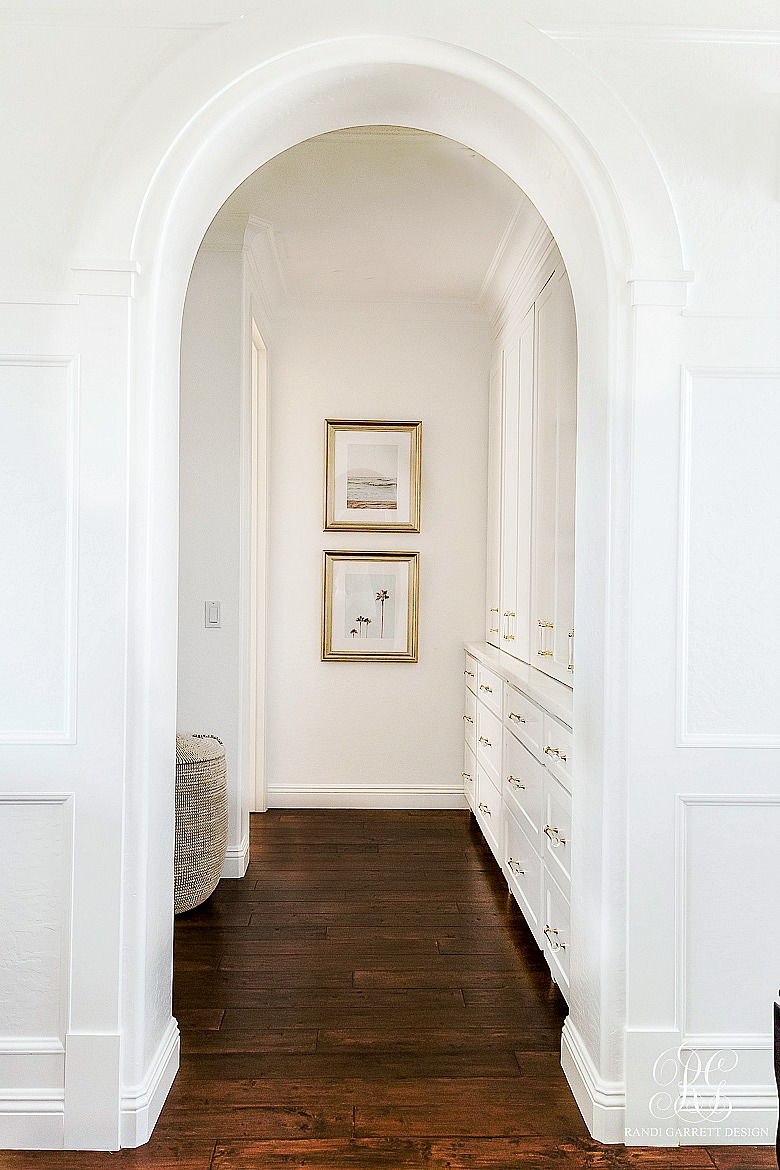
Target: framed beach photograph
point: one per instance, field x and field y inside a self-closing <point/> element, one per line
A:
<point x="372" y="476"/>
<point x="370" y="606"/>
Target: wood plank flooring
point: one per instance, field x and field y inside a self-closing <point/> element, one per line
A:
<point x="369" y="997"/>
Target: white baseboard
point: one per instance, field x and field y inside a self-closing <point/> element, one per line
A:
<point x="32" y="1122"/>
<point x="601" y="1103"/>
<point x="283" y="796"/>
<point x="236" y="860"/>
<point x="142" y="1104"/>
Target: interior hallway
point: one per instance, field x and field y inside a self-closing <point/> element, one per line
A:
<point x="369" y="996"/>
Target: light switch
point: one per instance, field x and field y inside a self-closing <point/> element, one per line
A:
<point x="213" y="614"/>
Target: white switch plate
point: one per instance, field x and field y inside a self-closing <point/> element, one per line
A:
<point x="213" y="614"/>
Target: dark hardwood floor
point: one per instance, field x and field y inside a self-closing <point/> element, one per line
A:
<point x="369" y="997"/>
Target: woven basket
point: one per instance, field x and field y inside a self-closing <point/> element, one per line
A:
<point x="201" y="819"/>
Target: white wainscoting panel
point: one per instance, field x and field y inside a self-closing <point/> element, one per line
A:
<point x="38" y="484"/>
<point x="728" y="942"/>
<point x="36" y="831"/>
<point x="729" y="616"/>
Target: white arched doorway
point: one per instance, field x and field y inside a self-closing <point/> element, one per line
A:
<point x="522" y="103"/>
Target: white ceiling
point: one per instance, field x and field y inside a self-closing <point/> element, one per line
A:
<point x="547" y="14"/>
<point x="381" y="213"/>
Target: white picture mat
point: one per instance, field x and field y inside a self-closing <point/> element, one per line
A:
<point x="343" y="595"/>
<point x="343" y="441"/>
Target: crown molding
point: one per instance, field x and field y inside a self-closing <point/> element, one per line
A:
<point x="670" y="33"/>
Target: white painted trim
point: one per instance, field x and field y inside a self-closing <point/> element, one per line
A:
<point x="67" y="734"/>
<point x="670" y="33"/>
<point x="142" y="1104"/>
<point x="498" y="255"/>
<point x="686" y="801"/>
<point x="686" y="738"/>
<point x="524" y="285"/>
<point x="236" y="860"/>
<point x="32" y="1120"/>
<point x="601" y="1103"/>
<point x="310" y="796"/>
<point x="105" y="278"/>
<point x="31" y="1046"/>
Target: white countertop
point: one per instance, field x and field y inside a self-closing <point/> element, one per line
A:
<point x="553" y="696"/>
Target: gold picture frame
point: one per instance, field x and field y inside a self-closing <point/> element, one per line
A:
<point x="373" y="473"/>
<point x="370" y="603"/>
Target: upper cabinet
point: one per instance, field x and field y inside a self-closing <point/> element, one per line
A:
<point x="533" y="424"/>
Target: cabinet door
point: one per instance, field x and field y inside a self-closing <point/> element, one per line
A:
<point x="493" y="591"/>
<point x="517" y="435"/>
<point x="552" y="606"/>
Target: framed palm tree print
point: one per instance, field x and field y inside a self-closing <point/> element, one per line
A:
<point x="372" y="476"/>
<point x="370" y="602"/>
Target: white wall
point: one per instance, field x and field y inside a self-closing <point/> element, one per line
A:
<point x="374" y="734"/>
<point x="210" y="470"/>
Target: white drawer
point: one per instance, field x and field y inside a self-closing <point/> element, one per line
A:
<point x="470" y="672"/>
<point x="490" y="689"/>
<point x="489" y="737"/>
<point x="556" y="918"/>
<point x="523" y="871"/>
<point x="470" y="719"/>
<point x="524" y="787"/>
<point x="469" y="775"/>
<point x="557" y="750"/>
<point x="524" y="719"/>
<point x="557" y="832"/>
<point x="488" y="811"/>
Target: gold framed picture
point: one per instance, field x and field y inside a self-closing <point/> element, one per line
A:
<point x="370" y="604"/>
<point x="372" y="476"/>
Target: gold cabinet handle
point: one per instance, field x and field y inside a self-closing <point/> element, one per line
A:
<point x="484" y="808"/>
<point x="485" y="741"/>
<point x="518" y="783"/>
<point x="515" y="866"/>
<point x="518" y="718"/>
<point x="509" y="614"/>
<point x="469" y="674"/>
<point x="468" y="719"/>
<point x="493" y="630"/>
<point x="553" y="939"/>
<point x="541" y="652"/>
<point x="466" y="776"/>
<point x="571" y="651"/>
<point x="553" y="751"/>
<point x="483" y="687"/>
<point x="494" y="609"/>
<point x="555" y="837"/>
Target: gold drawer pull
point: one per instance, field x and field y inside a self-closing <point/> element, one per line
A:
<point x="483" y="687"/>
<point x="518" y="718"/>
<point x="541" y="652"/>
<point x="466" y="776"/>
<point x="485" y="741"/>
<point x="552" y="751"/>
<point x="571" y="651"/>
<point x="468" y="719"/>
<point x="509" y="637"/>
<point x="484" y="808"/>
<point x="553" y="940"/>
<point x="493" y="630"/>
<point x="494" y="609"/>
<point x="515" y="866"/>
<point x="518" y="783"/>
<point x="555" y="837"/>
<point x="469" y="674"/>
<point x="509" y="613"/>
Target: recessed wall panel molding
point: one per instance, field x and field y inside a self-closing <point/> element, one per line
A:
<point x="728" y="684"/>
<point x="728" y="950"/>
<point x="35" y="883"/>
<point x="38" y="568"/>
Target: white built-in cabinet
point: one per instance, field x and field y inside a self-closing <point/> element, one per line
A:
<point x="531" y="475"/>
<point x="517" y="760"/>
